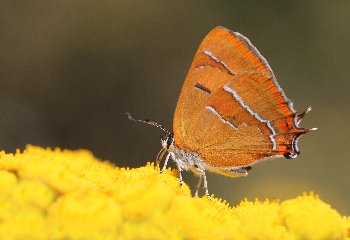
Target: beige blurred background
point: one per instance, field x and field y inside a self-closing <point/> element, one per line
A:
<point x="69" y="70"/>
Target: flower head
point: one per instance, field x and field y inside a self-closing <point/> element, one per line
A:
<point x="61" y="194"/>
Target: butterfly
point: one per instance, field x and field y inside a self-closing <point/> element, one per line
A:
<point x="231" y="113"/>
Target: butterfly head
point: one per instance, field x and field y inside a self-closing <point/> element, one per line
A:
<point x="168" y="142"/>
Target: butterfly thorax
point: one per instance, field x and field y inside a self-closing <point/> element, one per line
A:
<point x="185" y="160"/>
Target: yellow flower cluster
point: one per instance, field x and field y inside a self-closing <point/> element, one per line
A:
<point x="61" y="194"/>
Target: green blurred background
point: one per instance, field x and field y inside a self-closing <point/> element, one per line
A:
<point x="69" y="70"/>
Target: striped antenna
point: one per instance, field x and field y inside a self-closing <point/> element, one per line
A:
<point x="147" y="121"/>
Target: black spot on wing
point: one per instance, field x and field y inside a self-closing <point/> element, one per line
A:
<point x="247" y="168"/>
<point x="201" y="87"/>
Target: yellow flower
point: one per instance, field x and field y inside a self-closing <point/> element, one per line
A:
<point x="61" y="194"/>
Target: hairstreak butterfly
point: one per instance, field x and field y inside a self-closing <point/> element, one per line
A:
<point x="231" y="112"/>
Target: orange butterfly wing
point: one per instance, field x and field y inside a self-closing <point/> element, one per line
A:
<point x="231" y="110"/>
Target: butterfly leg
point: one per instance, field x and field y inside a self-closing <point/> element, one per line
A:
<point x="178" y="167"/>
<point x="165" y="162"/>
<point x="198" y="184"/>
<point x="205" y="182"/>
<point x="180" y="175"/>
<point x="177" y="164"/>
<point x="160" y="156"/>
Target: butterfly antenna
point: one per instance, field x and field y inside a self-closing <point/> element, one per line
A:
<point x="147" y="121"/>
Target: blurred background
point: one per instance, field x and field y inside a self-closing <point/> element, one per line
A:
<point x="69" y="70"/>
